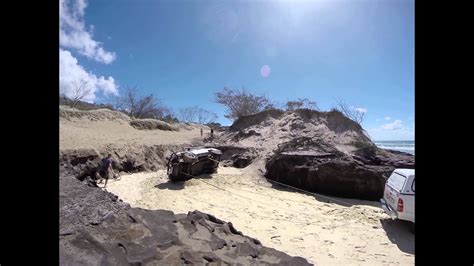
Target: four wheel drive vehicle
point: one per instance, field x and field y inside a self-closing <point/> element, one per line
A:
<point x="399" y="195"/>
<point x="187" y="164"/>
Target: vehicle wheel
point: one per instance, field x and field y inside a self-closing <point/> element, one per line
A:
<point x="189" y="157"/>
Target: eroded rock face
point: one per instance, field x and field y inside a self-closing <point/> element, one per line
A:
<point x="236" y="156"/>
<point x="85" y="163"/>
<point x="97" y="228"/>
<point x="242" y="160"/>
<point x="323" y="152"/>
<point x="349" y="176"/>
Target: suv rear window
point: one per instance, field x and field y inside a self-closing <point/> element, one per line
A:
<point x="396" y="181"/>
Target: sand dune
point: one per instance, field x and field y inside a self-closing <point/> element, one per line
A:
<point x="95" y="129"/>
<point x="350" y="232"/>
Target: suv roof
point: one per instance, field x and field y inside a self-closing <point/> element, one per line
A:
<point x="405" y="172"/>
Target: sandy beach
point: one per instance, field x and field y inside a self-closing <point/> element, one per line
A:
<point x="349" y="232"/>
<point x="325" y="231"/>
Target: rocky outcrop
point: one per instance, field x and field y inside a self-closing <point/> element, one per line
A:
<point x="323" y="152"/>
<point x="84" y="163"/>
<point x="242" y="160"/>
<point x="236" y="156"/>
<point x="98" y="228"/>
<point x="360" y="175"/>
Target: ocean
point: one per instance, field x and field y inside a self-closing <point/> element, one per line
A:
<point x="398" y="145"/>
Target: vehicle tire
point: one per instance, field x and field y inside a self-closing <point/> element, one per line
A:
<point x="189" y="157"/>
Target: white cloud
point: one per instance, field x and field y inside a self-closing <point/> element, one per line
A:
<point x="395" y="125"/>
<point x="360" y="110"/>
<point x="392" y="131"/>
<point x="70" y="71"/>
<point x="387" y="118"/>
<point x="395" y="130"/>
<point x="74" y="36"/>
<point x="72" y="32"/>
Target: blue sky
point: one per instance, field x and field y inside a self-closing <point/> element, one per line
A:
<point x="361" y="51"/>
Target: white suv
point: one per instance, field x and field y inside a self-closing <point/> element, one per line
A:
<point x="399" y="195"/>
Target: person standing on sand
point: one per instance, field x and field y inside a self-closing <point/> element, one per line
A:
<point x="106" y="169"/>
<point x="201" y="131"/>
<point x="212" y="132"/>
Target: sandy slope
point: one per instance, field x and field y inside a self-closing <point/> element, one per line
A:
<point x="303" y="225"/>
<point x="96" y="134"/>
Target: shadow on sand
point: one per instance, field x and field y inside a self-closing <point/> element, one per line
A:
<point x="400" y="233"/>
<point x="203" y="176"/>
<point x="171" y="185"/>
<point x="178" y="185"/>
<point x="328" y="199"/>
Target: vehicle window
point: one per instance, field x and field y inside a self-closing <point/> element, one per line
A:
<point x="413" y="185"/>
<point x="396" y="181"/>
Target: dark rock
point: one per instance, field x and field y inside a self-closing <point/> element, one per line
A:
<point x="211" y="258"/>
<point x="229" y="151"/>
<point x="96" y="229"/>
<point x="84" y="163"/>
<point x="247" y="249"/>
<point x="242" y="160"/>
<point x="339" y="175"/>
<point x="233" y="230"/>
<point x="297" y="125"/>
<point x="191" y="257"/>
<point x="256" y="241"/>
<point x="214" y="219"/>
<point x="236" y="156"/>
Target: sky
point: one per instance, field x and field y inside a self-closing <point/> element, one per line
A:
<point x="183" y="52"/>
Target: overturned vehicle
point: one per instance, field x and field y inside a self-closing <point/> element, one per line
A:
<point x="185" y="165"/>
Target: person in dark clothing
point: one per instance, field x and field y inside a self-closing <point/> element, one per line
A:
<point x="106" y="169"/>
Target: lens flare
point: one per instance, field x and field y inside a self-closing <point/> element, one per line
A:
<point x="265" y="71"/>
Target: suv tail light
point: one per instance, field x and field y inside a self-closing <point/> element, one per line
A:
<point x="400" y="205"/>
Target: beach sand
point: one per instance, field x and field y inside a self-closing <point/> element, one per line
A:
<point x="349" y="232"/>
